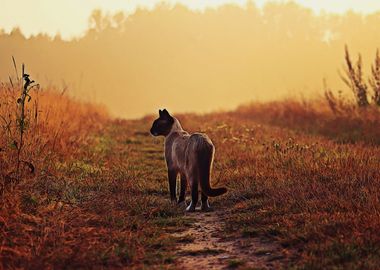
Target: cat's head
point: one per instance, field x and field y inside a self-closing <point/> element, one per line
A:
<point x="163" y="124"/>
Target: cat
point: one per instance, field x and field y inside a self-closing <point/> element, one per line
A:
<point x="190" y="156"/>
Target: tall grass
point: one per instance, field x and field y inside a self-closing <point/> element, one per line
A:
<point x="97" y="194"/>
<point x="375" y="79"/>
<point x="317" y="197"/>
<point x="349" y="123"/>
<point x="36" y="131"/>
<point x="84" y="204"/>
<point x="335" y="116"/>
<point x="354" y="79"/>
<point x="38" y="128"/>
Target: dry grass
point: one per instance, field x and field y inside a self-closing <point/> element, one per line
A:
<point x="318" y="197"/>
<point x="90" y="201"/>
<point x="55" y="126"/>
<point x="349" y="124"/>
<point x="98" y="197"/>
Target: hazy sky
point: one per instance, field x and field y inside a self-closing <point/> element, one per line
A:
<point x="70" y="17"/>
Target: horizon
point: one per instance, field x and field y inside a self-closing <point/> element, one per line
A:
<point x="44" y="18"/>
<point x="170" y="56"/>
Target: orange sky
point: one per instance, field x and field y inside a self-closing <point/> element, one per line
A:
<point x="70" y="17"/>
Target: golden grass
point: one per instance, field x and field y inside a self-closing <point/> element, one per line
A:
<point x="297" y="175"/>
<point x="83" y="204"/>
<point x="317" y="196"/>
<point x="349" y="123"/>
<point x="55" y="126"/>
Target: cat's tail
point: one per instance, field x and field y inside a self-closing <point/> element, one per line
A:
<point x="205" y="158"/>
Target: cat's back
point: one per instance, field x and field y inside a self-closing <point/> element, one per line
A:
<point x="200" y="139"/>
<point x="199" y="142"/>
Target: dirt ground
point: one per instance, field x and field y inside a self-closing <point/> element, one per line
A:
<point x="203" y="246"/>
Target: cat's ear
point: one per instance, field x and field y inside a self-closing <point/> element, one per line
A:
<point x="160" y="113"/>
<point x="166" y="113"/>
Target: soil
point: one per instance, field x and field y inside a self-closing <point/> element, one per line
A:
<point x="203" y="246"/>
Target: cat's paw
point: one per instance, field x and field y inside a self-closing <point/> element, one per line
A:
<point x="190" y="208"/>
<point x="205" y="207"/>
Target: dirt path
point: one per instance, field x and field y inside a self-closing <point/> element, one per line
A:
<point x="202" y="246"/>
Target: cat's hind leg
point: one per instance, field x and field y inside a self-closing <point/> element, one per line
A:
<point x="194" y="193"/>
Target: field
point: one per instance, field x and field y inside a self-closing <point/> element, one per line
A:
<point x="91" y="191"/>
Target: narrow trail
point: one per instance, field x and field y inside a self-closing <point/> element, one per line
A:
<point x="202" y="246"/>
